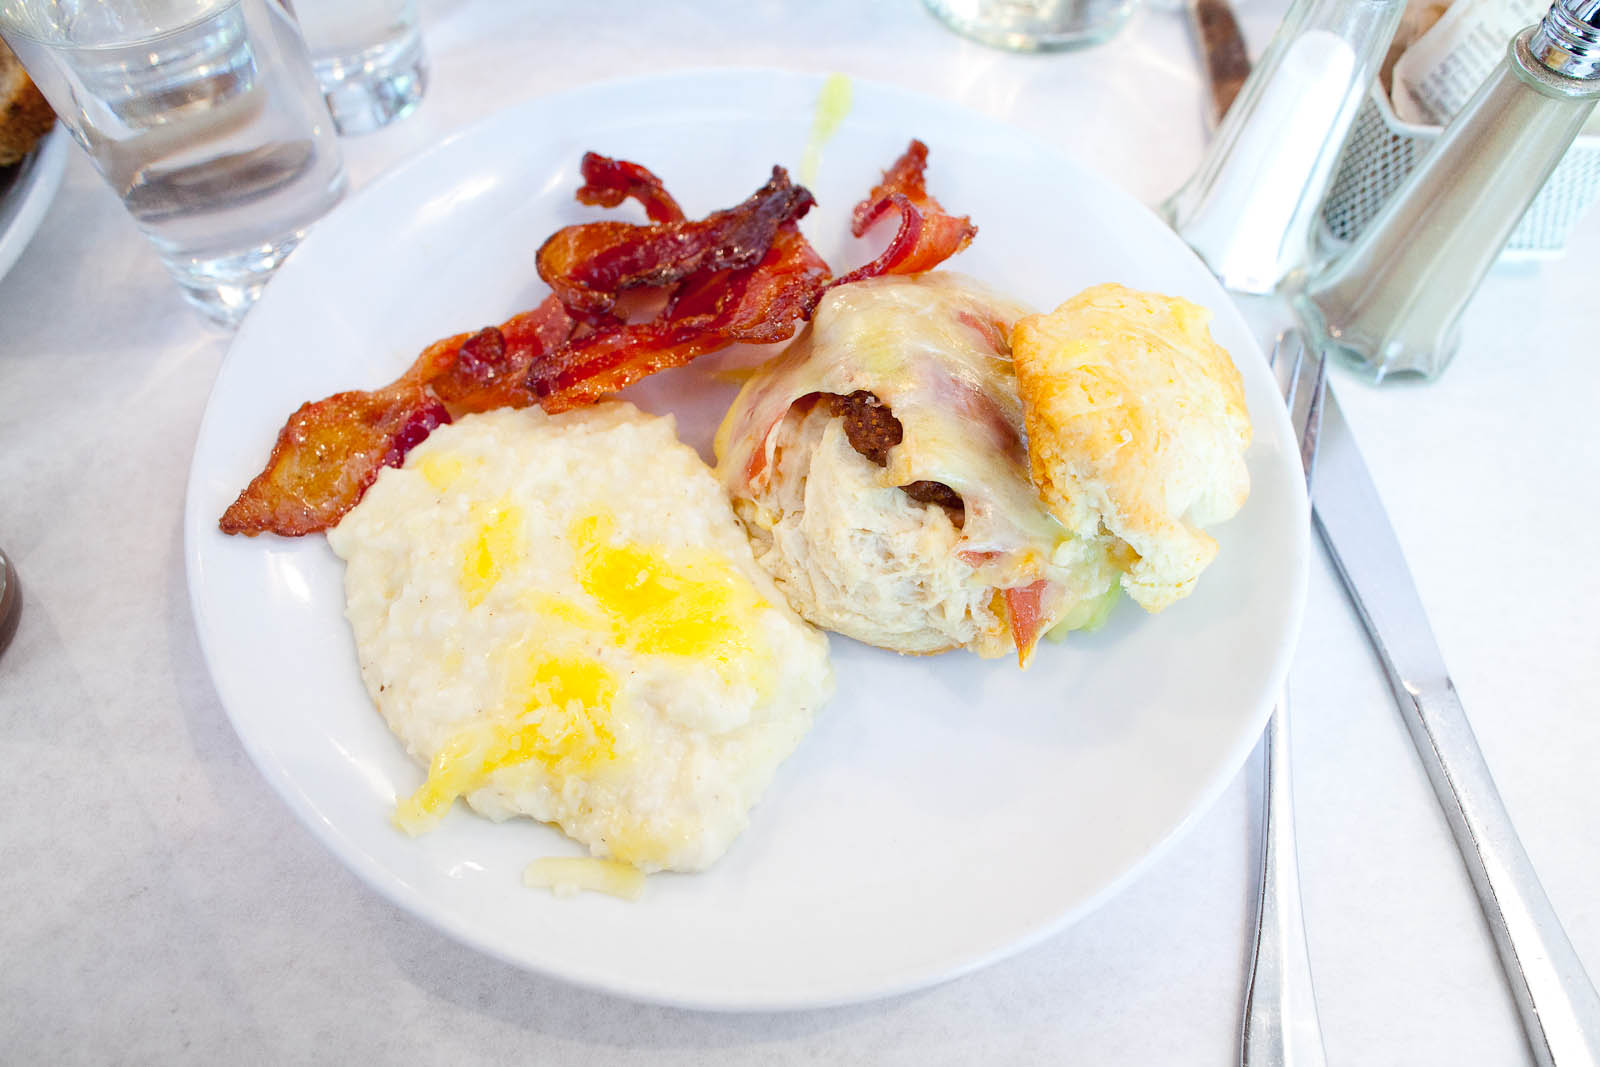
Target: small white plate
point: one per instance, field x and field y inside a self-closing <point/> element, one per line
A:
<point x="27" y="192"/>
<point x="945" y="811"/>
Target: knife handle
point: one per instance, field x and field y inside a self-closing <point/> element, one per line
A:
<point x="1559" y="1006"/>
<point x="1227" y="61"/>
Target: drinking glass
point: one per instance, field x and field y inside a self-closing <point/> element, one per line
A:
<point x="204" y="116"/>
<point x="368" y="57"/>
<point x="1034" y="25"/>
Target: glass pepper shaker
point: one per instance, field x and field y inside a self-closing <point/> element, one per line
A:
<point x="1392" y="302"/>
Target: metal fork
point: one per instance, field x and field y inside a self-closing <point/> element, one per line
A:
<point x="1280" y="1027"/>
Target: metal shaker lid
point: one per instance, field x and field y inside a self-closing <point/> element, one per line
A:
<point x="1567" y="40"/>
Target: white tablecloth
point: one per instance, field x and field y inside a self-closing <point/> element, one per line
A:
<point x="161" y="904"/>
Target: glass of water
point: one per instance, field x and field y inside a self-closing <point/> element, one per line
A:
<point x="368" y="56"/>
<point x="204" y="116"/>
<point x="1034" y="25"/>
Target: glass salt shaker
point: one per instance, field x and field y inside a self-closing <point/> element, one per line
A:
<point x="1249" y="208"/>
<point x="1392" y="302"/>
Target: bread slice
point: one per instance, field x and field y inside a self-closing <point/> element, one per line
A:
<point x="25" y="115"/>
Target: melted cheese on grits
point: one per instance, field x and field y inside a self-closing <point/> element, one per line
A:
<point x="560" y="618"/>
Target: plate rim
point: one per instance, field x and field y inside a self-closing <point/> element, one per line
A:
<point x="414" y="902"/>
<point x="33" y="190"/>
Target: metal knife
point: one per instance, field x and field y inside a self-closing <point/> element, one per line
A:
<point x="1558" y="1003"/>
<point x="1222" y="47"/>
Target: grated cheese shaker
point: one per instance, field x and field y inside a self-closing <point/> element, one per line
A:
<point x="1392" y="302"/>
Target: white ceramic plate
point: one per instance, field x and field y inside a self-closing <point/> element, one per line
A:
<point x="26" y="192"/>
<point x="946" y="810"/>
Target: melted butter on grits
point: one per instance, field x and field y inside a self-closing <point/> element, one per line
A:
<point x="564" y="725"/>
<point x="566" y="876"/>
<point x="657" y="601"/>
<point x="496" y="547"/>
<point x="441" y="470"/>
<point x="673" y="602"/>
<point x="559" y="617"/>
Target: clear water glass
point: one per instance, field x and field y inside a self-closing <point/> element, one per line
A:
<point x="206" y="119"/>
<point x="1034" y="25"/>
<point x="368" y="58"/>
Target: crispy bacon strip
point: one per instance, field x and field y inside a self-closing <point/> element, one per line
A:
<point x="927" y="236"/>
<point x="589" y="264"/>
<point x="489" y="369"/>
<point x="759" y="304"/>
<point x="327" y="455"/>
<point x="745" y="274"/>
<point x="330" y="451"/>
<point x="608" y="182"/>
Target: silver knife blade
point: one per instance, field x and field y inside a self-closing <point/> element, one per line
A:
<point x="1559" y="1006"/>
